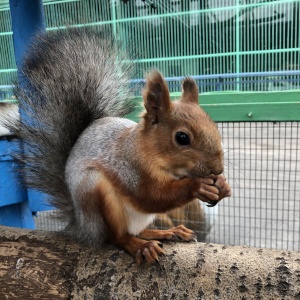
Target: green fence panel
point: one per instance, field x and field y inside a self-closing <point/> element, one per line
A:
<point x="191" y="38"/>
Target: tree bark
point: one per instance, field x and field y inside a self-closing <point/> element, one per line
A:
<point x="45" y="265"/>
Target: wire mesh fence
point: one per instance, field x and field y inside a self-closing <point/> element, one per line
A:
<point x="263" y="167"/>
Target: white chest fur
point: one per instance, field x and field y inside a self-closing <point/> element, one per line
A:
<point x="137" y="221"/>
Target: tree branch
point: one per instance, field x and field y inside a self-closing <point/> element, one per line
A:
<point x="45" y="265"/>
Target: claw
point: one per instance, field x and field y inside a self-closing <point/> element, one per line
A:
<point x="176" y="238"/>
<point x="139" y="257"/>
<point x="161" y="245"/>
<point x="194" y="239"/>
<point x="156" y="262"/>
<point x="212" y="203"/>
<point x="162" y="254"/>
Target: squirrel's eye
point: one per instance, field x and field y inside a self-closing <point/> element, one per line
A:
<point x="182" y="138"/>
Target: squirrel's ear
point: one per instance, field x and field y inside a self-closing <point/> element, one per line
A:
<point x="189" y="91"/>
<point x="156" y="96"/>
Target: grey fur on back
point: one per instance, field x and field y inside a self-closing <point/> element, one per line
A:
<point x="97" y="144"/>
<point x="74" y="77"/>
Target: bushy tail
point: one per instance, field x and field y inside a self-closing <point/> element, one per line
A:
<point x="74" y="76"/>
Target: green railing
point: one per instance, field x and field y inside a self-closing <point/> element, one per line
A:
<point x="244" y="107"/>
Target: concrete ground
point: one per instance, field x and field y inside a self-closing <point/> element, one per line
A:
<point x="263" y="169"/>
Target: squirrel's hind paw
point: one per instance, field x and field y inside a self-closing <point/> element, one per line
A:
<point x="182" y="233"/>
<point x="142" y="250"/>
<point x="179" y="233"/>
<point x="149" y="252"/>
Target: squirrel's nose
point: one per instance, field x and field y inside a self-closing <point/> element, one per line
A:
<point x="217" y="171"/>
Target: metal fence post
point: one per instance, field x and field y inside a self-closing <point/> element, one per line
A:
<point x="27" y="19"/>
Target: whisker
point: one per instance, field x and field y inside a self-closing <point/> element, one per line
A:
<point x="227" y="175"/>
<point x="234" y="167"/>
<point x="231" y="149"/>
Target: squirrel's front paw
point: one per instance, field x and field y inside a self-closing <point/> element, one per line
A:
<point x="224" y="188"/>
<point x="212" y="189"/>
<point x="205" y="190"/>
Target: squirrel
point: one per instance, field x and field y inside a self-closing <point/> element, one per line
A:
<point x="107" y="175"/>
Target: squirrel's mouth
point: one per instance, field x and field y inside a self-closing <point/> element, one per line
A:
<point x="182" y="173"/>
<point x="179" y="173"/>
<point x="199" y="171"/>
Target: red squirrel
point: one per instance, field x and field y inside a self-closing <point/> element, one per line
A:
<point x="107" y="175"/>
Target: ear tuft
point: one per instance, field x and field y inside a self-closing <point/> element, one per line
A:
<point x="189" y="91"/>
<point x="156" y="95"/>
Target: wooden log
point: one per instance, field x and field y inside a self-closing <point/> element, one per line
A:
<point x="45" y="265"/>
